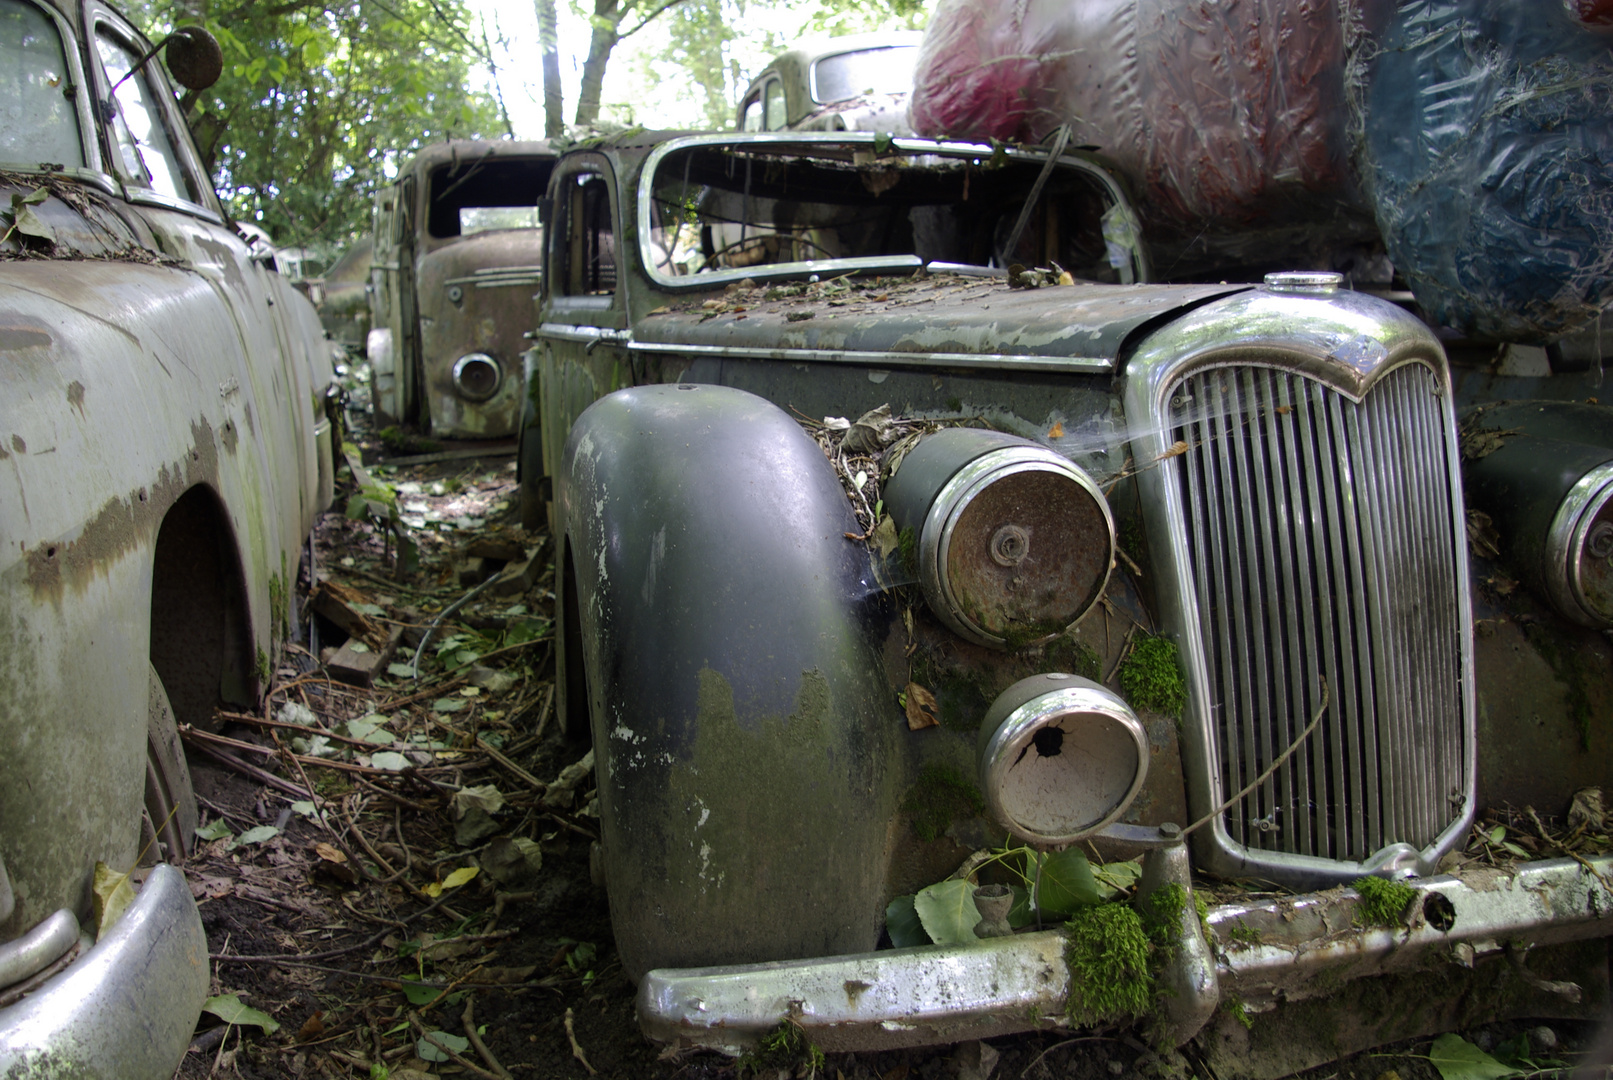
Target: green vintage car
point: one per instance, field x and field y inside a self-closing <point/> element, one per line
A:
<point x="901" y="517"/>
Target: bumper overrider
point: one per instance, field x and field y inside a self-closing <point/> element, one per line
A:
<point x="1285" y="949"/>
<point x="127" y="1006"/>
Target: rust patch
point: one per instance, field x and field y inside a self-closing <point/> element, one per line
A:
<point x="17" y="338"/>
<point x="18" y="445"/>
<point x="121" y="525"/>
<point x="75" y="396"/>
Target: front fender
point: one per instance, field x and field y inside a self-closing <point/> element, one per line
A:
<point x="742" y="733"/>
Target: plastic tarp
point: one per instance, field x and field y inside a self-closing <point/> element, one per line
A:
<point x="1469" y="140"/>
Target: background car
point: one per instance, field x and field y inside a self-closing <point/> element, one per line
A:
<point x="857" y="82"/>
<point x="164" y="450"/>
<point x="456" y="263"/>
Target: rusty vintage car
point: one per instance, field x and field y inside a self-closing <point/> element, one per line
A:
<point x="855" y="82"/>
<point x="456" y="263"/>
<point x="1130" y="569"/>
<point x="164" y="450"/>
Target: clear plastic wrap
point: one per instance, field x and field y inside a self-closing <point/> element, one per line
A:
<point x="1472" y="139"/>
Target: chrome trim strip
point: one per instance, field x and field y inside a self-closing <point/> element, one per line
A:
<point x="128" y="1006"/>
<point x="994" y="361"/>
<point x="1566" y="538"/>
<point x="38" y="948"/>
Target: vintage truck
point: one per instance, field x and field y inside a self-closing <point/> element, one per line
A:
<point x="455" y="265"/>
<point x="855" y="82"/>
<point x="898" y="515"/>
<point x="164" y="450"/>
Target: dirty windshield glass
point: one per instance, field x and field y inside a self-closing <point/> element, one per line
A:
<point x="887" y="70"/>
<point x="148" y="152"/>
<point x="483" y="194"/>
<point x="772" y="209"/>
<point x="37" y="121"/>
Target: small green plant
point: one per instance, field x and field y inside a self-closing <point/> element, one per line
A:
<point x="1150" y="677"/>
<point x="785" y="1047"/>
<point x="907" y="549"/>
<point x="1382" y="902"/>
<point x="1233" y="1007"/>
<point x="1243" y="934"/>
<point x="1108" y="954"/>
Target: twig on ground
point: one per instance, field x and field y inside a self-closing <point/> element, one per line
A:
<point x="469" y="1020"/>
<point x="519" y="773"/>
<point x="263" y="776"/>
<point x="576" y="1048"/>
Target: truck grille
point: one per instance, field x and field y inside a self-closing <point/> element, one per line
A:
<point x="1323" y="542"/>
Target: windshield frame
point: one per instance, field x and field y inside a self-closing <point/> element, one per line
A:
<point x="868" y="142"/>
<point x="82" y="95"/>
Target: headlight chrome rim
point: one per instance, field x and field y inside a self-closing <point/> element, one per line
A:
<point x="466" y="376"/>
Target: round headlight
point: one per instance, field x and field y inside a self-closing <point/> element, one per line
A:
<point x="477" y="376"/>
<point x="1014" y="542"/>
<point x="1579" y="550"/>
<point x="1061" y="757"/>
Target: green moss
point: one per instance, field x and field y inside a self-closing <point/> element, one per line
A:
<point x="263" y="667"/>
<point x="1233" y="1006"/>
<point x="1075" y="657"/>
<point x="963" y="700"/>
<point x="1242" y="933"/>
<point x="1382" y="901"/>
<point x="785" y="1047"/>
<point x="907" y="549"/>
<point x="1150" y="677"/>
<point x="1108" y="952"/>
<point x="1129" y="537"/>
<point x="954" y="404"/>
<point x="941" y="794"/>
<point x="1162" y="914"/>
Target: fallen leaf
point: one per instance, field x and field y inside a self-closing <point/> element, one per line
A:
<point x="113" y="895"/>
<point x="921" y="710"/>
<point x="333" y="861"/>
<point x="228" y="1008"/>
<point x="258" y="835"/>
<point x="312" y="1028"/>
<point x="1458" y="1059"/>
<point x="947" y="910"/>
<point x="1057" y="430"/>
<point x="429" y="1052"/>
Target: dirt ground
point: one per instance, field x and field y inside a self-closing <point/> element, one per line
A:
<point x="428" y="873"/>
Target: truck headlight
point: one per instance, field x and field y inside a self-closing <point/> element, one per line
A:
<point x="477" y="376"/>
<point x="1013" y="542"/>
<point x="1061" y="757"/>
<point x="1579" y="550"/>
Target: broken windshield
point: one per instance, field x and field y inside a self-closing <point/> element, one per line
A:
<point x="774" y="207"/>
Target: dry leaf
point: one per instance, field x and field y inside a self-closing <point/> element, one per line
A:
<point x="1177" y="449"/>
<point x="921" y="711"/>
<point x="333" y="861"/>
<point x="312" y="1028"/>
<point x="1057" y="431"/>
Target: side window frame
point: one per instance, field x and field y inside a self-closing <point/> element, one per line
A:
<point x="773" y="95"/>
<point x="202" y="200"/>
<point x="575" y="244"/>
<point x="79" y="91"/>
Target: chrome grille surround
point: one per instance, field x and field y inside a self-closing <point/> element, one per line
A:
<point x="1300" y="485"/>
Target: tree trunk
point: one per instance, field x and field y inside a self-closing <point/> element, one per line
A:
<point x="607" y="19"/>
<point x="554" y="120"/>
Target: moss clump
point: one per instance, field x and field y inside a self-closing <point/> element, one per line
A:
<point x="785" y="1047"/>
<point x="907" y="550"/>
<point x="1233" y="1007"/>
<point x="942" y="794"/>
<point x="1108" y="952"/>
<point x="1382" y="902"/>
<point x="1242" y="933"/>
<point x="263" y="669"/>
<point x="1162" y="915"/>
<point x="1129" y="537"/>
<point x="1151" y="679"/>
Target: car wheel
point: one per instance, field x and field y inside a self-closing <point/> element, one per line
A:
<point x="168" y="820"/>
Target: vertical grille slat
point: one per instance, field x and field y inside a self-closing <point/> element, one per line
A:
<point x="1323" y="544"/>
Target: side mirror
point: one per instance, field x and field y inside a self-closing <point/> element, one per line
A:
<point x="194" y="57"/>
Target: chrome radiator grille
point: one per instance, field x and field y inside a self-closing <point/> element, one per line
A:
<point x="1323" y="544"/>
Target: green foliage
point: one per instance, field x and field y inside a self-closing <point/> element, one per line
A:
<point x="1108" y="952"/>
<point x="317" y="101"/>
<point x="1458" y="1059"/>
<point x="785" y="1047"/>
<point x="1150" y="677"/>
<point x="1382" y="901"/>
<point x="1233" y="1007"/>
<point x="941" y="794"/>
<point x="907" y="549"/>
<point x="903" y="924"/>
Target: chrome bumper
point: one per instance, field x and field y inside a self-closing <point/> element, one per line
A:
<point x="127" y="1007"/>
<point x="908" y="997"/>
